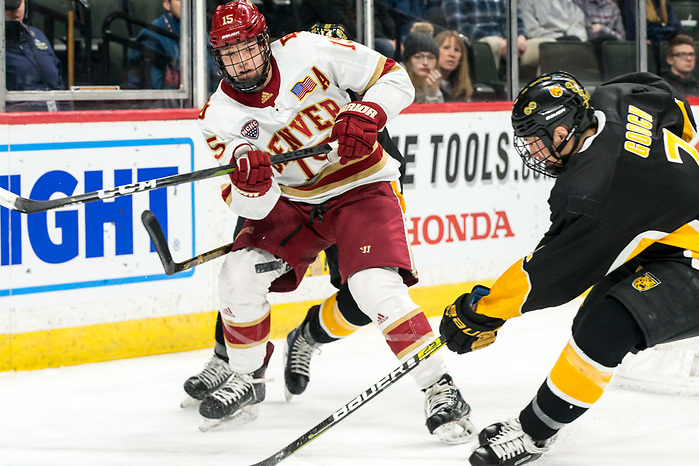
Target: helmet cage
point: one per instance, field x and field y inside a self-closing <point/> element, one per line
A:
<point x="539" y="155"/>
<point x="241" y="57"/>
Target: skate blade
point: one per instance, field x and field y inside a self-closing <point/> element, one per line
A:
<point x="189" y="402"/>
<point x="242" y="416"/>
<point x="456" y="432"/>
<point x="287" y="394"/>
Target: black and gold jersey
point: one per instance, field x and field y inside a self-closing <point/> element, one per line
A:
<point x="631" y="192"/>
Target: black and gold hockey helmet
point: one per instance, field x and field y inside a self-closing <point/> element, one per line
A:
<point x="551" y="100"/>
<point x="336" y="31"/>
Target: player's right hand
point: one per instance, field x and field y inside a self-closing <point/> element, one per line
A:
<point x="463" y="328"/>
<point x="433" y="81"/>
<point x="253" y="177"/>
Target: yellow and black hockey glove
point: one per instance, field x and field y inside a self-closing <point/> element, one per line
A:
<point x="334" y="31"/>
<point x="463" y="328"/>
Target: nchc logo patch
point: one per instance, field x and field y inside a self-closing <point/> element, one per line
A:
<point x="251" y="129"/>
<point x="645" y="282"/>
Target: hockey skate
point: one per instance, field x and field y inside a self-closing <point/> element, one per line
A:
<point x="447" y="413"/>
<point x="505" y="443"/>
<point x="205" y="382"/>
<point x="235" y="402"/>
<point x="298" y="352"/>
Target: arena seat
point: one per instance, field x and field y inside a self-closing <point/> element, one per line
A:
<point x="486" y="82"/>
<point x="577" y="58"/>
<point x="619" y="57"/>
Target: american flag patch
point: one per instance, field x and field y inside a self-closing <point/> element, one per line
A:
<point x="304" y="87"/>
<point x="251" y="129"/>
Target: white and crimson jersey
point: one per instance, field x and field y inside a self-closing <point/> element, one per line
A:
<point x="309" y="77"/>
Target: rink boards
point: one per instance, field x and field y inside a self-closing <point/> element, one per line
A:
<point x="82" y="283"/>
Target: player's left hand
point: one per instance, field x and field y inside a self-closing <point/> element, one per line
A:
<point x="463" y="328"/>
<point x="356" y="129"/>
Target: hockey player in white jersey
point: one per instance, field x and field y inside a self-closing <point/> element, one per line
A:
<point x="281" y="96"/>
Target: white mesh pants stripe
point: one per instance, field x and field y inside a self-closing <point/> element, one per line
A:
<point x="243" y="298"/>
<point x="382" y="291"/>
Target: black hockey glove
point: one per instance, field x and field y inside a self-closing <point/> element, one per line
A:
<point x="463" y="328"/>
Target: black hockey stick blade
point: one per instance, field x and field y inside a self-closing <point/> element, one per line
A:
<point x="356" y="403"/>
<point x="30" y="206"/>
<point x="155" y="231"/>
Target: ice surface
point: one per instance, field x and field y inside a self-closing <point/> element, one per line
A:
<point x="127" y="412"/>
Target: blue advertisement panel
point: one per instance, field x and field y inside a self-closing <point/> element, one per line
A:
<point x="96" y="244"/>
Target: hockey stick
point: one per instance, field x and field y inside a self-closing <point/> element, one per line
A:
<point x="356" y="403"/>
<point x="155" y="231"/>
<point x="30" y="206"/>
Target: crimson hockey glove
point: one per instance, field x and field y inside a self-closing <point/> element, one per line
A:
<point x="463" y="328"/>
<point x="356" y="129"/>
<point x="253" y="177"/>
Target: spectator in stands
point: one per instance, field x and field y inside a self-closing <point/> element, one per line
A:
<point x="485" y="21"/>
<point x="31" y="64"/>
<point x="681" y="56"/>
<point x="158" y="66"/>
<point x="420" y="54"/>
<point x="602" y="21"/>
<point x="411" y="9"/>
<point x="548" y="21"/>
<point x="407" y="12"/>
<point x="345" y="12"/>
<point x="453" y="66"/>
<point x="662" y="24"/>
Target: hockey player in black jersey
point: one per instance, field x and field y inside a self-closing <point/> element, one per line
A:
<point x="624" y="221"/>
